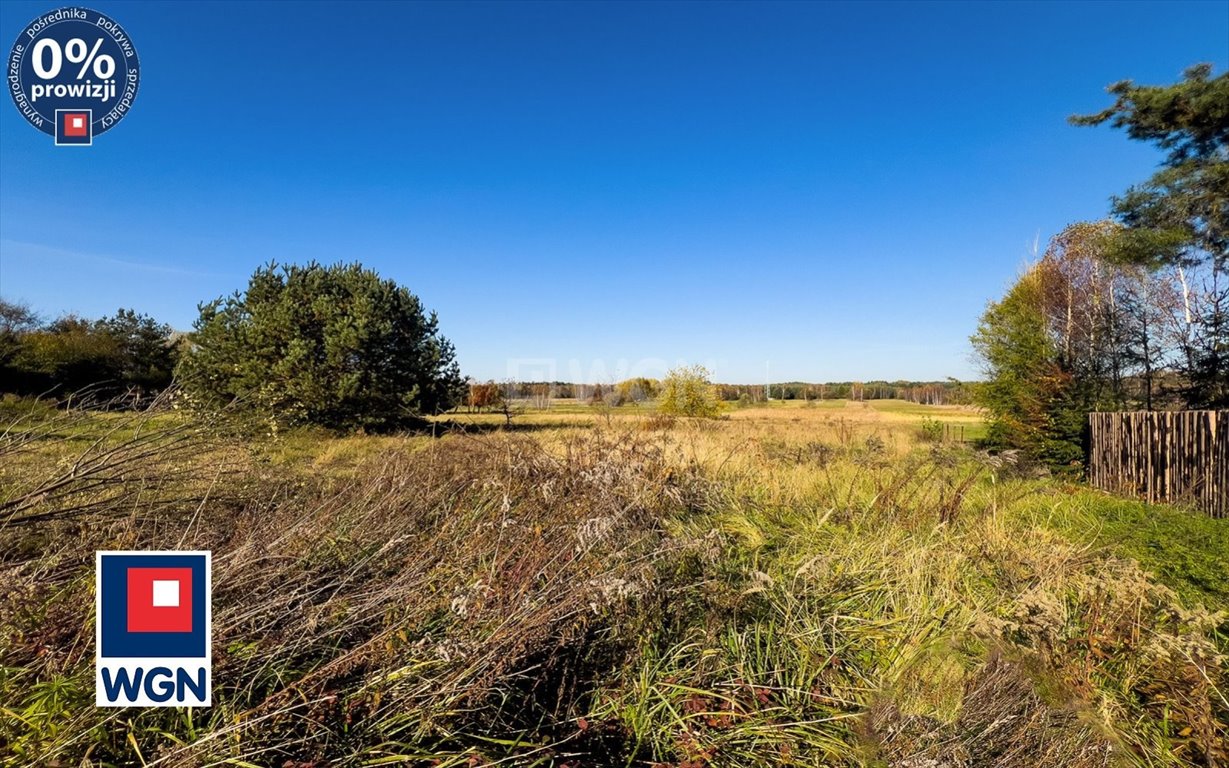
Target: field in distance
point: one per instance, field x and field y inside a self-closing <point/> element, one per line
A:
<point x="890" y="415"/>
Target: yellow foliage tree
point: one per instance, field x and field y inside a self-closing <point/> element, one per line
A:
<point x="687" y="391"/>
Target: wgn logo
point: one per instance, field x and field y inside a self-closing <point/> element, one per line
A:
<point x="152" y="638"/>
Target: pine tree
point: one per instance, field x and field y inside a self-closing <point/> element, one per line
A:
<point x="331" y="345"/>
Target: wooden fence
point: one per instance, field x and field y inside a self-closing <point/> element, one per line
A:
<point x="1163" y="456"/>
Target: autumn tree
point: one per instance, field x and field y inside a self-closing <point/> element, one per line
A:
<point x="634" y="390"/>
<point x="66" y="356"/>
<point x="1027" y="393"/>
<point x="1081" y="292"/>
<point x="1080" y="331"/>
<point x="484" y="396"/>
<point x="687" y="391"/>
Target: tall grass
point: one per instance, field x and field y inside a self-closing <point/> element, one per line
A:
<point x="734" y="593"/>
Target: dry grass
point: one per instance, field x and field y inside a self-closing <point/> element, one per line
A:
<point x="792" y="585"/>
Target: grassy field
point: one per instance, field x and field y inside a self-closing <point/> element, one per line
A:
<point x="794" y="584"/>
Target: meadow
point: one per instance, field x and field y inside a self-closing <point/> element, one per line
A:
<point x="792" y="584"/>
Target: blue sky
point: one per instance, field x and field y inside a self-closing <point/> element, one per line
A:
<point x="833" y="191"/>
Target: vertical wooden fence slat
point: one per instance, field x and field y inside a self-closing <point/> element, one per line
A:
<point x="1162" y="456"/>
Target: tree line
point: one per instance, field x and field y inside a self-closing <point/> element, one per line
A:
<point x="949" y="392"/>
<point x="639" y="389"/>
<point x="127" y="356"/>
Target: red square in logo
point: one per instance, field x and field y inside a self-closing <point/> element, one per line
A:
<point x="159" y="599"/>
<point x="76" y="123"/>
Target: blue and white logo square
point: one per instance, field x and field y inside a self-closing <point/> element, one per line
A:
<point x="153" y="628"/>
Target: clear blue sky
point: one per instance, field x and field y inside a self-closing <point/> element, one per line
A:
<point x="833" y="189"/>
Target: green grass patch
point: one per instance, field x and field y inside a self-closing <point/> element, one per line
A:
<point x="1186" y="550"/>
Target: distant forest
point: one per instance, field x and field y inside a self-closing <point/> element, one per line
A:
<point x="949" y="392"/>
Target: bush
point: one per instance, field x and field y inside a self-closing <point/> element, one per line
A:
<point x="15" y="408"/>
<point x="67" y="356"/>
<point x="932" y="430"/>
<point x="636" y="390"/>
<point x="687" y="391"/>
<point x="334" y="346"/>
